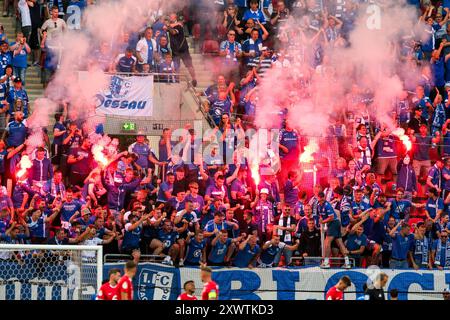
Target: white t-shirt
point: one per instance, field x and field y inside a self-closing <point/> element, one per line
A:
<point x="24" y="13"/>
<point x="87" y="254"/>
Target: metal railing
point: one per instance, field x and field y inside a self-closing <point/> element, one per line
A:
<point x="110" y="258"/>
<point x="313" y="261"/>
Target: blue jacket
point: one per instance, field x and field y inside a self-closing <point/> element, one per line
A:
<point x="406" y="177"/>
<point x="117" y="192"/>
<point x="41" y="170"/>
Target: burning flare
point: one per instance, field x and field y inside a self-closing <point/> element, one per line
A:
<point x="24" y="164"/>
<point x="306" y="156"/>
<point x="255" y="173"/>
<point x="99" y="156"/>
<point x="400" y="133"/>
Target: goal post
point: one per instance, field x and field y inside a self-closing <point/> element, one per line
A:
<point x="50" y="272"/>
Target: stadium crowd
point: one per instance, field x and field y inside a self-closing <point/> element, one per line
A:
<point x="365" y="199"/>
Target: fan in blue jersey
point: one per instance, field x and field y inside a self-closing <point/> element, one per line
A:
<point x="356" y="243"/>
<point x="271" y="249"/>
<point x="166" y="243"/>
<point x="166" y="188"/>
<point x="441" y="251"/>
<point x="402" y="243"/>
<point x="400" y="207"/>
<point x="343" y="206"/>
<point x="358" y="206"/>
<point x="434" y="179"/>
<point x="328" y="218"/>
<point x="68" y="208"/>
<point x="421" y="249"/>
<point x="434" y="205"/>
<point x="222" y="248"/>
<point x="218" y="223"/>
<point x="248" y="253"/>
<point x="263" y="213"/>
<point x="185" y="221"/>
<point x="126" y="62"/>
<point x="132" y="235"/>
<point x="38" y="224"/>
<point x="196" y="249"/>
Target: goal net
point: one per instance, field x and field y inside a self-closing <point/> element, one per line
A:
<point x="50" y="272"/>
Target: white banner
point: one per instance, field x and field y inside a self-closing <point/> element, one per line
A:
<point x="160" y="282"/>
<point x="127" y="96"/>
<point x="312" y="283"/>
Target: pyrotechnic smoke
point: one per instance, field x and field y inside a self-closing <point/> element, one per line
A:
<point x="368" y="60"/>
<point x="103" y="22"/>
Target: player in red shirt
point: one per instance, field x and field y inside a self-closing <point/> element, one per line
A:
<point x="337" y="292"/>
<point x="210" y="289"/>
<point x="125" y="284"/>
<point x="108" y="291"/>
<point x="189" y="290"/>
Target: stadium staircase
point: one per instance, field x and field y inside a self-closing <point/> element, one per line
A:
<point x="34" y="86"/>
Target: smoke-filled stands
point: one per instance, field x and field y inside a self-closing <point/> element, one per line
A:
<point x="351" y="111"/>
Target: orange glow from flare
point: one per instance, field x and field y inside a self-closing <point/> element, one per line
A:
<point x="99" y="156"/>
<point x="255" y="173"/>
<point x="306" y="156"/>
<point x="24" y="164"/>
<point x="400" y="133"/>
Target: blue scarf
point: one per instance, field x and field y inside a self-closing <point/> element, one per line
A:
<point x="447" y="254"/>
<point x="422" y="248"/>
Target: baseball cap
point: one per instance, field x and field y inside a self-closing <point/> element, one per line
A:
<point x="264" y="190"/>
<point x="18" y="79"/>
<point x="264" y="49"/>
<point x="419" y="224"/>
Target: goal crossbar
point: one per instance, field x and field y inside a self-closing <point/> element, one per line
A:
<point x="30" y="247"/>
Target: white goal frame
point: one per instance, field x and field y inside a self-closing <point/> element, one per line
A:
<point x="30" y="247"/>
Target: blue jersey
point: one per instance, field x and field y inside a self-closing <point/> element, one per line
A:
<point x="219" y="251"/>
<point x="5" y="60"/>
<point x="243" y="257"/>
<point x="325" y="211"/>
<point x="438" y="71"/>
<point x="355" y="242"/>
<point x="132" y="238"/>
<point x="432" y="206"/>
<point x="267" y="256"/>
<point x="165" y="187"/>
<point x="197" y="202"/>
<point x="435" y="175"/>
<point x="290" y="192"/>
<point x="289" y="139"/>
<point x="143" y="151"/>
<point x="218" y="108"/>
<point x="386" y="147"/>
<point x="20" y="59"/>
<point x="361" y="206"/>
<point x="4" y="224"/>
<point x="398" y="209"/>
<point x="17" y="132"/>
<point x="401" y="246"/>
<point x="3" y="155"/>
<point x="68" y="209"/>
<point x="211" y="226"/>
<point x="195" y="251"/>
<point x="168" y="238"/>
<point x="345" y="208"/>
<point x="255" y="15"/>
<point x="37" y="228"/>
